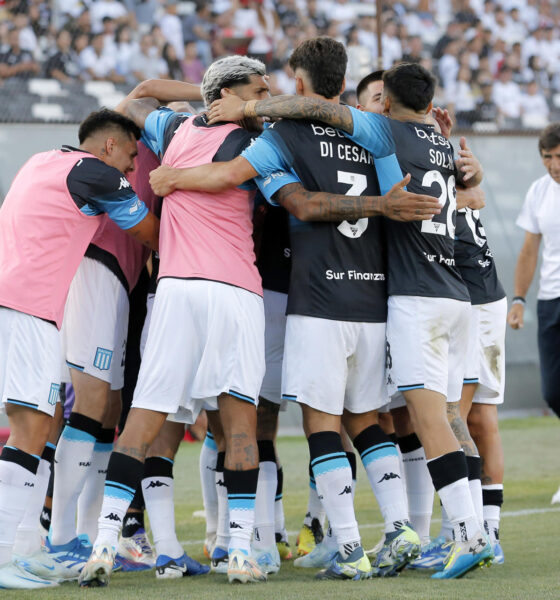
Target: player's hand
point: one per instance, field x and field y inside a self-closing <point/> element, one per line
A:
<point x="228" y="108"/>
<point x="401" y="205"/>
<point x="444" y="120"/>
<point x="515" y="316"/>
<point x="468" y="163"/>
<point x="162" y="180"/>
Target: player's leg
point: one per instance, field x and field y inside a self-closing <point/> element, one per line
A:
<point x="207" y="468"/>
<point x="264" y="539"/>
<point x="29" y="375"/>
<point x="483" y="425"/>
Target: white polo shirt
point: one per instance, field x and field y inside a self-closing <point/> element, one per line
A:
<point x="541" y="214"/>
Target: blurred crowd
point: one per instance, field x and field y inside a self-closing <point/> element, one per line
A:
<point x="498" y="61"/>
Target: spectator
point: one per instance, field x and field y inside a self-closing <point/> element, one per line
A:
<point x="107" y="8"/>
<point x="453" y="32"/>
<point x="198" y="27"/>
<point x="148" y="63"/>
<point x="64" y="64"/>
<point x="144" y="11"/>
<point x="98" y="64"/>
<point x="15" y="62"/>
<point x="174" y="70"/>
<point x="414" y="50"/>
<point x="359" y="58"/>
<point x="109" y="30"/>
<point x="461" y="98"/>
<point x="172" y="28"/>
<point x="449" y="64"/>
<point x="507" y="95"/>
<point x="125" y="49"/>
<point x="192" y="67"/>
<point x="534" y="109"/>
<point x="80" y="25"/>
<point x="27" y="37"/>
<point x="392" y="48"/>
<point x="486" y="110"/>
<point x="535" y="71"/>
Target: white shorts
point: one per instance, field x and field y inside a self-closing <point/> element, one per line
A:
<point x="205" y="339"/>
<point x="95" y="324"/>
<point x="274" y="334"/>
<point x="334" y="365"/>
<point x="427" y="338"/>
<point x="29" y="361"/>
<point x="491" y="321"/>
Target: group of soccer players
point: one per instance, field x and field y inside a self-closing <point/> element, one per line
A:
<point x="358" y="234"/>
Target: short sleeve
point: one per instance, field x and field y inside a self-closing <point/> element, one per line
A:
<point x="527" y="218"/>
<point x="156" y="129"/>
<point x="372" y="132"/>
<point x="268" y="186"/>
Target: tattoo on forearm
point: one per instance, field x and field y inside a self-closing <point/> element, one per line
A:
<point x="291" y="107"/>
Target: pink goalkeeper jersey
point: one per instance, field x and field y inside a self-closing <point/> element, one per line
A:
<point x="43" y="236"/>
<point x="131" y="254"/>
<point x="205" y="235"/>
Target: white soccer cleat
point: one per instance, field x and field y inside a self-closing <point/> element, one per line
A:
<point x="135" y="553"/>
<point x="243" y="569"/>
<point x="319" y="558"/>
<point x="98" y="569"/>
<point x="268" y="560"/>
<point x="44" y="565"/>
<point x="14" y="577"/>
<point x="556" y="497"/>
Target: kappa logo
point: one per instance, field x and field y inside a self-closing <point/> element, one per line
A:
<point x="353" y="230"/>
<point x="135" y="207"/>
<point x="272" y="177"/>
<point x="133" y="521"/>
<point x="112" y="517"/>
<point x="156" y="484"/>
<point x="346" y="490"/>
<point x="234" y="525"/>
<point x="124" y="183"/>
<point x="389" y="476"/>
<point x="220" y="482"/>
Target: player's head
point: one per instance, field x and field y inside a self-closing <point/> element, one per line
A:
<point x="549" y="147"/>
<point x="408" y="87"/>
<point x="369" y="92"/>
<point x="239" y="75"/>
<point x="111" y="137"/>
<point x="319" y="66"/>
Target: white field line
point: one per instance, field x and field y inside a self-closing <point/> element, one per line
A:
<point x="507" y="513"/>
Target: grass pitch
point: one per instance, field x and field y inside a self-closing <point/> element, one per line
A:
<point x="530" y="532"/>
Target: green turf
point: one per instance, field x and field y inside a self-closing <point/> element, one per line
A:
<point x="531" y="541"/>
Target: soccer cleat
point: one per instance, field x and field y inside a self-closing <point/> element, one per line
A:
<point x="355" y="567"/>
<point x="499" y="558"/>
<point x="400" y="548"/>
<point x="97" y="570"/>
<point x="135" y="553"/>
<point x="209" y="543"/>
<point x="175" y="568"/>
<point x="14" y="577"/>
<point x="372" y="554"/>
<point x="432" y="555"/>
<point x="465" y="556"/>
<point x="243" y="569"/>
<point x="283" y="547"/>
<point x="309" y="537"/>
<point x="72" y="555"/>
<point x="556" y="497"/>
<point x="219" y="560"/>
<point x="319" y="558"/>
<point x="268" y="560"/>
<point x="43" y="565"/>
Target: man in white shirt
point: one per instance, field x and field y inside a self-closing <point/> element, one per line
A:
<point x="540" y="218"/>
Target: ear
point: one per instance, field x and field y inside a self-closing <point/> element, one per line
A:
<point x="428" y="110"/>
<point x="300" y="86"/>
<point x="387" y="106"/>
<point x="226" y="92"/>
<point x="109" y="145"/>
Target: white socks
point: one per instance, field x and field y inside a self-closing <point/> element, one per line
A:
<point x="264" y="535"/>
<point x="157" y="487"/>
<point x="207" y="465"/>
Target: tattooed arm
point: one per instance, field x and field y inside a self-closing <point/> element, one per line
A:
<point x="232" y="108"/>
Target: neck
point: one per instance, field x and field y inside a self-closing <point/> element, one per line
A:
<point x="335" y="100"/>
<point x="93" y="147"/>
<point x="406" y="114"/>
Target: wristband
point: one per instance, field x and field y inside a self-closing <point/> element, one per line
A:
<point x="518" y="300"/>
<point x="249" y="108"/>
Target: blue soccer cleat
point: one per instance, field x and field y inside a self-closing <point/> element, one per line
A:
<point x="432" y="555"/>
<point x="466" y="556"/>
<point x="355" y="567"/>
<point x="175" y="568"/>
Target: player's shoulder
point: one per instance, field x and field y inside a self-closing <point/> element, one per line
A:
<point x="100" y="177"/>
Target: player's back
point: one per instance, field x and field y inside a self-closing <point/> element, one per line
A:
<point x="421" y="253"/>
<point x="206" y="235"/>
<point x="338" y="269"/>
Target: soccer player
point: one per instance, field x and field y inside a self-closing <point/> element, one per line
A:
<point x="41" y="245"/>
<point x="539" y="218"/>
<point x="428" y="303"/>
<point x="206" y="339"/>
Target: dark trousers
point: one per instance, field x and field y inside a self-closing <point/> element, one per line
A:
<point x="548" y="313"/>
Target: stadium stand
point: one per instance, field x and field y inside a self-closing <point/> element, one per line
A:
<point x="498" y="61"/>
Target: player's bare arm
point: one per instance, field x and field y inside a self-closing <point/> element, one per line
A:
<point x="397" y="204"/>
<point x="166" y="90"/>
<point x="147" y="231"/>
<point x="524" y="272"/>
<point x="213" y="177"/>
<point x="232" y="108"/>
<point x="469" y="168"/>
<point x="473" y="198"/>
